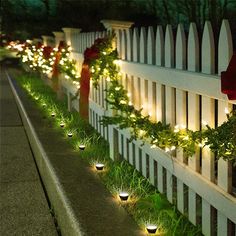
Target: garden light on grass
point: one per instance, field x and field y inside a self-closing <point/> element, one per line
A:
<point x="151" y="229"/>
<point x="81" y="146"/>
<point x="99" y="166"/>
<point x="62" y="124"/>
<point x="70" y="134"/>
<point x="123" y="196"/>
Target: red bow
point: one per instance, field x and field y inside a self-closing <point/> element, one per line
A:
<point x="228" y="79"/>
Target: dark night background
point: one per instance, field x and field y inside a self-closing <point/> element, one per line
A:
<point x="33" y="18"/>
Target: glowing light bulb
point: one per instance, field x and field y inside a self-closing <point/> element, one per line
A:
<point x="117" y="88"/>
<point x="226" y="111"/>
<point x="122" y="102"/>
<point x="204" y="122"/>
<point x="167" y="149"/>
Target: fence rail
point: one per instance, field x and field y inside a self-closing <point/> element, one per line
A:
<point x="175" y="78"/>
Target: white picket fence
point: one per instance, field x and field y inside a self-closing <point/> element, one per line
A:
<point x="177" y="82"/>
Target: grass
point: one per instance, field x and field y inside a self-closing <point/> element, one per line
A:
<point x="146" y="204"/>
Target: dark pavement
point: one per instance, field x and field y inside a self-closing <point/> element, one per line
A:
<point x="23" y="206"/>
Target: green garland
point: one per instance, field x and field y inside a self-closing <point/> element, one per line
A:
<point x="103" y="63"/>
<point x="34" y="57"/>
<point x="221" y="140"/>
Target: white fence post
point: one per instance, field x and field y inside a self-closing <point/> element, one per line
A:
<point x="59" y="36"/>
<point x="70" y="36"/>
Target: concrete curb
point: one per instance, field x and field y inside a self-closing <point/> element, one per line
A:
<point x="65" y="215"/>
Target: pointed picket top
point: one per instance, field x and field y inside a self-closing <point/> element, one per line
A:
<point x="159" y="46"/>
<point x="193" y="48"/>
<point x="123" y="45"/>
<point x="104" y="33"/>
<point x="150" y="46"/>
<point x="208" y="49"/>
<point x="169" y="47"/>
<point x="97" y="34"/>
<point x="225" y="46"/>
<point x="129" y="44"/>
<point x="143" y="45"/>
<point x="92" y="36"/>
<point x="84" y="41"/>
<point x="180" y="54"/>
<point x="135" y="45"/>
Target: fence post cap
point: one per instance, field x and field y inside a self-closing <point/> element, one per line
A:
<point x="71" y="30"/>
<point x="116" y="25"/>
<point x="58" y="33"/>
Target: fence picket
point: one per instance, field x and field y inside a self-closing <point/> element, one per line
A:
<point x="123" y="45"/>
<point x="206" y="218"/>
<point x="129" y="36"/>
<point x="180" y="55"/>
<point x="159" y="102"/>
<point x="225" y="46"/>
<point x="169" y="186"/>
<point x="150" y="46"/>
<point x="160" y="178"/>
<point x="193" y="48"/>
<point x="207" y="155"/>
<point x="159" y="46"/>
<point x="169" y="47"/>
<point x="136" y="45"/>
<point x="224" y="167"/>
<point x="143" y="46"/>
<point x="208" y="49"/>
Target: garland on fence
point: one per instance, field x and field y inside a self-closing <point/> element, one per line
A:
<point x="103" y="64"/>
<point x="48" y="60"/>
<point x="102" y="61"/>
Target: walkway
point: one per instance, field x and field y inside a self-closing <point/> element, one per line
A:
<point x="23" y="205"/>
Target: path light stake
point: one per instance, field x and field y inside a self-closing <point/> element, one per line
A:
<point x="70" y="134"/>
<point x="123" y="196"/>
<point x="81" y="146"/>
<point x="99" y="166"/>
<point x="151" y="229"/>
<point x="53" y="114"/>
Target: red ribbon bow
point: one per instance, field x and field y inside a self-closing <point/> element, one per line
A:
<point x="228" y="79"/>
